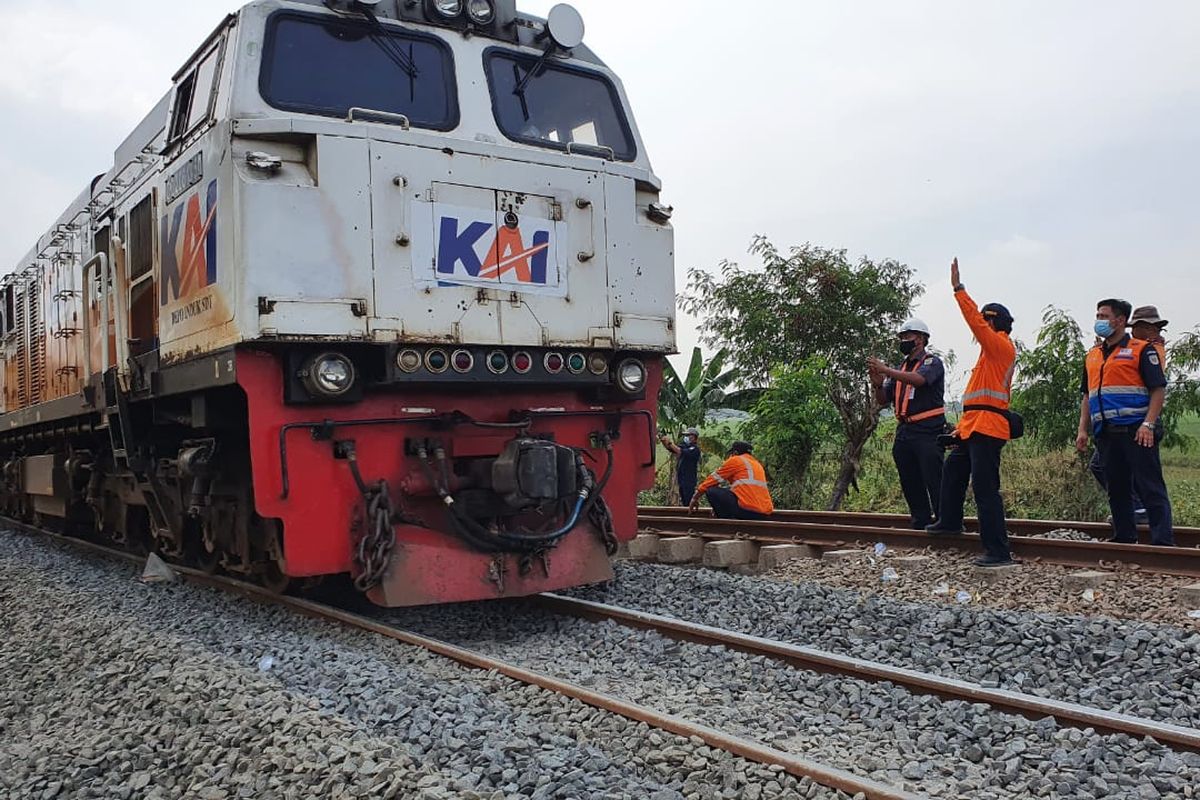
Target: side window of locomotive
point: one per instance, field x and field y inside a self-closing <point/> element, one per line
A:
<point x="194" y="96"/>
<point x="316" y="64"/>
<point x="142" y="308"/>
<point x="10" y="309"/>
<point x="557" y="105"/>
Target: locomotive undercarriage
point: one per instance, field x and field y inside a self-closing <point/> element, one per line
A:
<point x="183" y="491"/>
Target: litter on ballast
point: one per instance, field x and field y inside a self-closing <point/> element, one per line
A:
<point x="157" y="571"/>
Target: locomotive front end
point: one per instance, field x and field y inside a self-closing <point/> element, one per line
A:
<point x="456" y="292"/>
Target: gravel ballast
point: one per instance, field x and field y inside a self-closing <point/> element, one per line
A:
<point x="928" y="746"/>
<point x="936" y="578"/>
<point x="110" y="688"/>
<point x="1137" y="668"/>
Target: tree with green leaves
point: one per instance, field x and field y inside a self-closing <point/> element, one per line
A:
<point x="687" y="401"/>
<point x="1183" y="388"/>
<point x="1046" y="389"/>
<point x="792" y="418"/>
<point x="810" y="302"/>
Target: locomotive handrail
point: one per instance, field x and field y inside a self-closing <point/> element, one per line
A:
<point x="120" y="309"/>
<point x="100" y="259"/>
<point x="384" y="115"/>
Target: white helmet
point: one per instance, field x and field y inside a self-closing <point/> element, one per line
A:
<point x="914" y="325"/>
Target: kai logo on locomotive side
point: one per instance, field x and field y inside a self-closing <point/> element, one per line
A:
<point x="473" y="248"/>
<point x="189" y="257"/>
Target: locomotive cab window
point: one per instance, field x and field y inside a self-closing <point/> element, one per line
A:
<point x="194" y="95"/>
<point x="554" y="105"/>
<point x="326" y="65"/>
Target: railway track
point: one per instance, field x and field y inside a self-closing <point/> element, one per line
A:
<point x="803" y="658"/>
<point x="1027" y="705"/>
<point x="828" y="530"/>
<point x="749" y="749"/>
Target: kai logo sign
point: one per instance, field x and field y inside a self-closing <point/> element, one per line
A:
<point x="189" y="240"/>
<point x="473" y="247"/>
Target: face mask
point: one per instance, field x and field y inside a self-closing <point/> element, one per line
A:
<point x="908" y="347"/>
<point x="687" y="440"/>
<point x="1103" y="328"/>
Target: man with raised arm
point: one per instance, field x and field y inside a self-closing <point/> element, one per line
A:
<point x="982" y="431"/>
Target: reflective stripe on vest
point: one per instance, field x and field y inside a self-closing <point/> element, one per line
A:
<point x="988" y="394"/>
<point x="1116" y="391"/>
<point x="749" y="480"/>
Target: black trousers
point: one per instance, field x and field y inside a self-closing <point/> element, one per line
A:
<point x="976" y="461"/>
<point x="725" y="505"/>
<point x="919" y="461"/>
<point x="1125" y="463"/>
<point x="687" y="486"/>
<point x="1096" y="465"/>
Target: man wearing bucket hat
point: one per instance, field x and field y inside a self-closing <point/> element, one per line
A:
<point x="915" y="393"/>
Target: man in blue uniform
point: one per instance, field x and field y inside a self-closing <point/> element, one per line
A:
<point x="1123" y="391"/>
<point x="687" y="468"/>
<point x="915" y="393"/>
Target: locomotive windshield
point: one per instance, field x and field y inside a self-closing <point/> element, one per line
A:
<point x="557" y="105"/>
<point x="321" y="65"/>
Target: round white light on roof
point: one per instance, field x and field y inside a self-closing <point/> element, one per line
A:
<point x="481" y="12"/>
<point x="448" y="8"/>
<point x="565" y="26"/>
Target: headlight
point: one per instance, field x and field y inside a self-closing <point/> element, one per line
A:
<point x="631" y="376"/>
<point x="448" y="8"/>
<point x="481" y="11"/>
<point x="329" y="375"/>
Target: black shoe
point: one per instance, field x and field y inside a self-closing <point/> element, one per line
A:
<point x="994" y="561"/>
<point x="1115" y="540"/>
<point x="937" y="530"/>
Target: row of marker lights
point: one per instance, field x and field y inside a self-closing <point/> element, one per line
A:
<point x="462" y="361"/>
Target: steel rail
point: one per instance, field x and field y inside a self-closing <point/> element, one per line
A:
<point x="824" y="774"/>
<point x="1184" y="536"/>
<point x="1031" y="706"/>
<point x="1166" y="560"/>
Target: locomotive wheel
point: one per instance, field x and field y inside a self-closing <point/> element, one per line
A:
<point x="273" y="579"/>
<point x="205" y="560"/>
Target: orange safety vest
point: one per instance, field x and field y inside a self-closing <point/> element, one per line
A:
<point x="748" y="480"/>
<point x="905" y="393"/>
<point x="1116" y="392"/>
<point x="990" y="384"/>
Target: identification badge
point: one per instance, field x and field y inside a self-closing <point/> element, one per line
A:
<point x="1154" y="359"/>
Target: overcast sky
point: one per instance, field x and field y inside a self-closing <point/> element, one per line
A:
<point x="1053" y="147"/>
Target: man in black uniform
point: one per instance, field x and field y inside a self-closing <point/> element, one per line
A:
<point x="687" y="469"/>
<point x="1124" y="387"/>
<point x="915" y="393"/>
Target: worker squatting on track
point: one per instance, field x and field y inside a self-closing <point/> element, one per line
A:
<point x="738" y="489"/>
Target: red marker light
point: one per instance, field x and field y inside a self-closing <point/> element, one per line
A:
<point x="463" y="361"/>
<point x="554" y="363"/>
<point x="522" y="363"/>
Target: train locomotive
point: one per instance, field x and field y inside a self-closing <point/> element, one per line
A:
<point x="379" y="289"/>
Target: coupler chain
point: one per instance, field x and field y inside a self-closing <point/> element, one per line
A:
<point x="373" y="549"/>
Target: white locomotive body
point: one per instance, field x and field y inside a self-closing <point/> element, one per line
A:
<point x="425" y="221"/>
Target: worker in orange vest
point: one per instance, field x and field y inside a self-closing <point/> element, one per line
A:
<point x="984" y="428"/>
<point x="1124" y="390"/>
<point x="738" y="489"/>
<point x="915" y="391"/>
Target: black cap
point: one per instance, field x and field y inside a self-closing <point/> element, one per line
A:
<point x="741" y="448"/>
<point x="1000" y="314"/>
